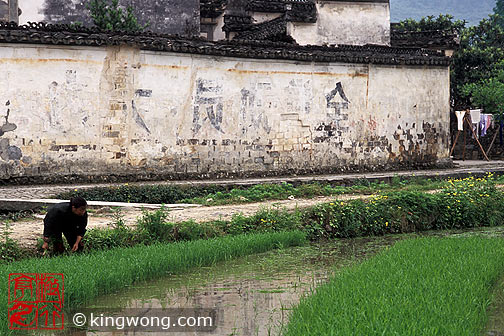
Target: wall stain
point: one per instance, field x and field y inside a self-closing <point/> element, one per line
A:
<point x="8" y="152"/>
<point x="138" y="118"/>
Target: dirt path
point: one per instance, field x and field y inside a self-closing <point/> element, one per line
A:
<point x="27" y="231"/>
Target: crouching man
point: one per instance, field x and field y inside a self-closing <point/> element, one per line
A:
<point x="69" y="219"/>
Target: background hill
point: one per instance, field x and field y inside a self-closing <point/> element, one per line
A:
<point x="470" y="10"/>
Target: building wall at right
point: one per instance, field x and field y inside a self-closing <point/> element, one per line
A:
<point x="354" y="23"/>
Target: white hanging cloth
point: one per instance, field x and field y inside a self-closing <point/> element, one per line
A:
<point x="475" y="119"/>
<point x="460" y="119"/>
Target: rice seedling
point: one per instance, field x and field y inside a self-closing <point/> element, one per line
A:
<point x="429" y="286"/>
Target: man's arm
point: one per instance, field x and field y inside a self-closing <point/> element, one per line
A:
<point x="81" y="226"/>
<point x="76" y="245"/>
<point x="81" y="231"/>
<point x="50" y="224"/>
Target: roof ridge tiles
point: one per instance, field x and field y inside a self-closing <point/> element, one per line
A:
<point x="373" y="54"/>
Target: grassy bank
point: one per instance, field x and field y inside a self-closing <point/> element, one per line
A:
<point x="460" y="204"/>
<point x="90" y="275"/>
<point x="463" y="203"/>
<point x="219" y="195"/>
<point x="419" y="287"/>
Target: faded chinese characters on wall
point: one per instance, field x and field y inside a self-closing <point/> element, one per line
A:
<point x="130" y="111"/>
<point x="208" y="105"/>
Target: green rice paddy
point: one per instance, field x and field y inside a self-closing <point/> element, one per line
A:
<point x="91" y="275"/>
<point x="428" y="286"/>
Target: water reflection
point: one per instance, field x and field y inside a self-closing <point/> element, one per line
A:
<point x="254" y="294"/>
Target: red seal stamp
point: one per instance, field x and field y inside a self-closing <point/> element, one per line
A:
<point x="35" y="301"/>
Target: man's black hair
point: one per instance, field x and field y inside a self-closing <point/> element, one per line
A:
<point x="78" y="202"/>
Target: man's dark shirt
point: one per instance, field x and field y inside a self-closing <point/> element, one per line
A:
<point x="60" y="218"/>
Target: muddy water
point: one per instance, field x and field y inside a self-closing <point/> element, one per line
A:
<point x="253" y="295"/>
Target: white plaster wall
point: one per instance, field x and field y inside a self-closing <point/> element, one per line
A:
<point x="219" y="34"/>
<point x="355" y="23"/>
<point x="118" y="110"/>
<point x="32" y="11"/>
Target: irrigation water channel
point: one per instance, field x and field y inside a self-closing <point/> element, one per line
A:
<point x="254" y="294"/>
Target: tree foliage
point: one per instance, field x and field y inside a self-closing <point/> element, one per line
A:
<point x="488" y="93"/>
<point x="478" y="58"/>
<point x="442" y="22"/>
<point x="499" y="10"/>
<point x="477" y="67"/>
<point x="107" y="15"/>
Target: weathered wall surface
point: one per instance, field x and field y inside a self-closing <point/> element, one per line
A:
<point x="354" y="23"/>
<point x="118" y="110"/>
<point x="4" y="11"/>
<point x="9" y="11"/>
<point x="32" y="11"/>
<point x="163" y="16"/>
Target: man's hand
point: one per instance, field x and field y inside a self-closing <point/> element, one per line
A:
<point x="45" y="246"/>
<point x="76" y="245"/>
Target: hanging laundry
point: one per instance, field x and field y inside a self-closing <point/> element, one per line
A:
<point x="482" y="125"/>
<point x="475" y="120"/>
<point x="486" y="121"/>
<point x="500" y="131"/>
<point x="460" y="119"/>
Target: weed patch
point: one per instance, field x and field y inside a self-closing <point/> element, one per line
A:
<point x="220" y="195"/>
<point x="9" y="248"/>
<point x="462" y="203"/>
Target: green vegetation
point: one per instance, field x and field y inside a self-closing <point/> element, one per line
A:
<point x="107" y="15"/>
<point x="90" y="275"/>
<point x="488" y="93"/>
<point x="14" y="216"/>
<point x="462" y="203"/>
<point x="499" y="10"/>
<point x="434" y="286"/>
<point x="9" y="248"/>
<point x="478" y="63"/>
<point x="155" y="194"/>
<point x="219" y="195"/>
<point x="443" y="22"/>
<point x="153" y="227"/>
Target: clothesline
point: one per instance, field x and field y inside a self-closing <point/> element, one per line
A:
<point x="476" y="121"/>
<point x="480" y="122"/>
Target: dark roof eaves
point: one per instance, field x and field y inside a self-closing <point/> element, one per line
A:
<point x="238" y="48"/>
